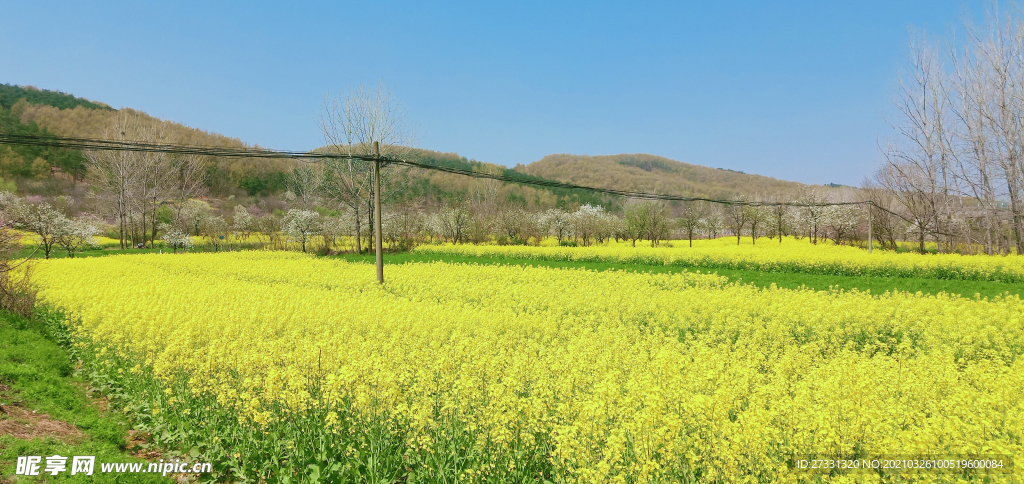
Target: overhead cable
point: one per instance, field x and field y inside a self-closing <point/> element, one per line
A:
<point x="509" y="176"/>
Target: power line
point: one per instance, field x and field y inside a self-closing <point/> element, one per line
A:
<point x="90" y="144"/>
<point x="313" y="156"/>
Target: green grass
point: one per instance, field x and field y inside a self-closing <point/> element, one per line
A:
<point x="38" y="375"/>
<point x="790" y="280"/>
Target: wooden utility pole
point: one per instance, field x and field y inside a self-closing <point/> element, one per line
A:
<point x="869" y="227"/>
<point x="377" y="232"/>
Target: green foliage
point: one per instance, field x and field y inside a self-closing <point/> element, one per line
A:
<point x="8" y="186"/>
<point x="214" y="178"/>
<point x="786" y="280"/>
<point x="516" y="199"/>
<point x="264" y="183"/>
<point x="40" y="375"/>
<point x="326" y="212"/>
<point x="10" y="94"/>
<point x="649" y="164"/>
<point x="734" y="171"/>
<point x="17" y="160"/>
<point x="164" y="215"/>
<point x="420" y="188"/>
<point x="565" y="197"/>
<point x="460" y="162"/>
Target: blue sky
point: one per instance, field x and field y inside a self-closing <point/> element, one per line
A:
<point x="794" y="90"/>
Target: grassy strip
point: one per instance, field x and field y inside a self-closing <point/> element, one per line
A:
<point x="821" y="259"/>
<point x="36" y="374"/>
<point x="789" y="280"/>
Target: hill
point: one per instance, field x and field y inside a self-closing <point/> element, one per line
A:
<point x="33" y="161"/>
<point x="650" y="173"/>
<point x="29" y="110"/>
<point x="9" y="95"/>
<point x="32" y="111"/>
<point x="440" y="185"/>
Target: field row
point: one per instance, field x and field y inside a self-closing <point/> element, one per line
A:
<point x="507" y="374"/>
<point x="767" y="256"/>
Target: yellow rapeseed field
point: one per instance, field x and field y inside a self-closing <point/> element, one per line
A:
<point x="518" y="374"/>
<point x="767" y="255"/>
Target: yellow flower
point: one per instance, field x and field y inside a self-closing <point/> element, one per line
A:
<point x="607" y="376"/>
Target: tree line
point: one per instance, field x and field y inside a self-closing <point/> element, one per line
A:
<point x="954" y="170"/>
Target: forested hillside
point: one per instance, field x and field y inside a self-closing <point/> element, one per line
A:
<point x="9" y="95"/>
<point x="27" y="110"/>
<point x="143" y="197"/>
<point x="31" y="161"/>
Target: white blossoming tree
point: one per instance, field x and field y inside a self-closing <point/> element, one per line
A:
<point x="242" y="223"/>
<point x="43" y="221"/>
<point x="559" y="223"/>
<point x="301" y="225"/>
<point x="177" y="239"/>
<point x="77" y="233"/>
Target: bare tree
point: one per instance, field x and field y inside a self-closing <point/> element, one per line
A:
<point x="956" y="170"/>
<point x="187" y="178"/>
<point x="777" y="215"/>
<point x="691" y="218"/>
<point x="305" y="182"/>
<point x="638" y="219"/>
<point x="269" y="228"/>
<point x="737" y="216"/>
<point x="484" y="209"/>
<point x="999" y="102"/>
<point x="133" y="183"/>
<point x="17" y="293"/>
<point x="115" y="174"/>
<point x="154" y="180"/>
<point x="351" y="123"/>
<point x="757" y="217"/>
<point x="479" y="224"/>
<point x="713" y="221"/>
<point x="216" y="230"/>
<point x="658" y="225"/>
<point x="917" y="168"/>
<point x="974" y="158"/>
<point x="885" y="224"/>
